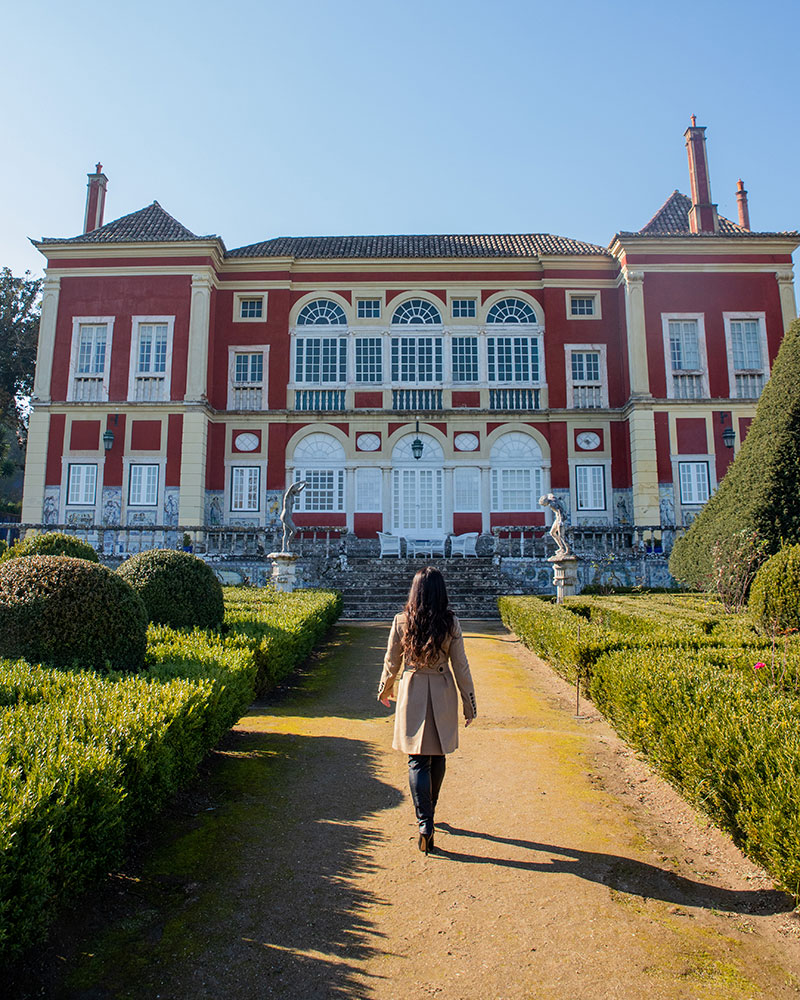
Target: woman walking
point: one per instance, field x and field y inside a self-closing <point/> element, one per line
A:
<point x="424" y="637"/>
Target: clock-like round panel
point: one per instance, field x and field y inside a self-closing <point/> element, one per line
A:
<point x="466" y="442"/>
<point x="246" y="442"/>
<point x="368" y="442"/>
<point x="588" y="440"/>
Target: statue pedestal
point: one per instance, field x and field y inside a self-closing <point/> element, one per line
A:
<point x="284" y="571"/>
<point x="565" y="576"/>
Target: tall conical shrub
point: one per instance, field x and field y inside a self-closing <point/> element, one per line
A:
<point x="761" y="490"/>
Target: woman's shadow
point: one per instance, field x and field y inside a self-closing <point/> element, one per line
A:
<point x="624" y="875"/>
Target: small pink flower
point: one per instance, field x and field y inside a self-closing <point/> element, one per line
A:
<point x="759" y="666"/>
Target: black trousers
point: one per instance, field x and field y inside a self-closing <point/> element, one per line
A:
<point x="425" y="777"/>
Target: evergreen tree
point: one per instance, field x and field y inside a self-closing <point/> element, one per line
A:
<point x="19" y="334"/>
<point x="761" y="491"/>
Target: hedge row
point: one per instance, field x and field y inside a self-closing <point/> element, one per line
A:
<point x="85" y="759"/>
<point x="712" y="703"/>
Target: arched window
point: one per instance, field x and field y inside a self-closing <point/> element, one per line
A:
<point x="417" y="312"/>
<point x="516" y="473"/>
<point x="319" y="460"/>
<point x="321" y="312"/>
<point x="511" y="311"/>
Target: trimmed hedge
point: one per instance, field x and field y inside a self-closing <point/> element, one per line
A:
<point x="60" y="610"/>
<point x="50" y="543"/>
<point x="177" y="588"/>
<point x="775" y="595"/>
<point x="759" y="492"/>
<point x="86" y="759"/>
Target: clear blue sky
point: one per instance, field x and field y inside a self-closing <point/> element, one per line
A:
<point x="258" y="119"/>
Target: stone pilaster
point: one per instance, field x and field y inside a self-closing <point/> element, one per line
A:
<point x="786" y="290"/>
<point x="35" y="466"/>
<point x="644" y="469"/>
<point x="637" y="339"/>
<point x="199" y="315"/>
<point x="193" y="468"/>
<point x="47" y="339"/>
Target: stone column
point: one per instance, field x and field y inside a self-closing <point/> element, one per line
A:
<point x="637" y="337"/>
<point x="644" y="469"/>
<point x="786" y="290"/>
<point x="349" y="498"/>
<point x="35" y="466"/>
<point x="486" y="499"/>
<point x="47" y="340"/>
<point x="199" y="316"/>
<point x="194" y="447"/>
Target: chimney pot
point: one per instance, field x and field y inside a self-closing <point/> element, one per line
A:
<point x="95" y="199"/>
<point x="703" y="216"/>
<point x="741" y="202"/>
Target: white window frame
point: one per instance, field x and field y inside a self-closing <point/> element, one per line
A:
<point x="581" y="505"/>
<point x="600" y="349"/>
<point x="699" y="318"/>
<point x="470" y="506"/>
<point x="369" y="298"/>
<point x="72" y="464"/>
<point x="365" y="334"/>
<point x="133" y="364"/>
<point x="465" y="333"/>
<point x="244" y="296"/>
<point x="462" y="299"/>
<point x="235" y="467"/>
<point x="498" y="490"/>
<point x="761" y="319"/>
<point x="303" y="499"/>
<point x="694" y="460"/>
<point x="332" y="332"/>
<point x="498" y="331"/>
<point x="77" y="323"/>
<point x="368" y="489"/>
<point x="262" y="349"/>
<point x="588" y="293"/>
<point x="129" y="478"/>
<point x="418" y="333"/>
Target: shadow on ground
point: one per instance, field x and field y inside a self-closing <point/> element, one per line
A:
<point x="624" y="875"/>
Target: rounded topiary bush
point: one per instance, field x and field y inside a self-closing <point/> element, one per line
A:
<point x="775" y="594"/>
<point x="69" y="612"/>
<point x="178" y="589"/>
<point x="51" y="543"/>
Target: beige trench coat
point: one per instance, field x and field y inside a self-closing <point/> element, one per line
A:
<point x="427" y="700"/>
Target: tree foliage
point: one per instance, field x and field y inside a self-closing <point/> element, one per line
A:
<point x="19" y="334"/>
<point x="759" y="494"/>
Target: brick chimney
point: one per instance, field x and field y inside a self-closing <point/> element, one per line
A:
<point x="741" y="201"/>
<point x="703" y="216"/>
<point x="95" y="199"/>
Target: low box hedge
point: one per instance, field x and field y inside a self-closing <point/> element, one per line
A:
<point x="86" y="758"/>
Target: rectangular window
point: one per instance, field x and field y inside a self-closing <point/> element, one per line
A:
<point x="320" y="360"/>
<point x="513" y="359"/>
<point x="92" y="349"/>
<point x="585" y="367"/>
<point x="466" y="490"/>
<point x="464" y="308"/>
<point x="514" y="489"/>
<point x="416" y="359"/>
<point x="746" y="344"/>
<point x="368" y="308"/>
<point x="465" y="359"/>
<point x="248" y="369"/>
<point x="152" y="358"/>
<point x="251" y="308"/>
<point x="693" y="478"/>
<point x="324" y="492"/>
<point x="590" y="485"/>
<point x="581" y="305"/>
<point x="369" y="359"/>
<point x="369" y="487"/>
<point x="245" y="488"/>
<point x="684" y="345"/>
<point x="82" y="484"/>
<point x="143" y="486"/>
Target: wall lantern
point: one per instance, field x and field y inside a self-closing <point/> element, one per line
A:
<point x="108" y="439"/>
<point x="417" y="445"/>
<point x="728" y="437"/>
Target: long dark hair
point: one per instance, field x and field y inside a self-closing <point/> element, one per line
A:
<point x="429" y="618"/>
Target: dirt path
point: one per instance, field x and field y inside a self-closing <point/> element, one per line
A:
<point x="567" y="870"/>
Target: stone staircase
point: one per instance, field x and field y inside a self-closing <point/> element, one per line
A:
<point x="377" y="589"/>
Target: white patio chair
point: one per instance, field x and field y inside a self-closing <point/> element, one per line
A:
<point x="390" y="544"/>
<point x="464" y="545"/>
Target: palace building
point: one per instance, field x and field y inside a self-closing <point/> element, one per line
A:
<point x="421" y="385"/>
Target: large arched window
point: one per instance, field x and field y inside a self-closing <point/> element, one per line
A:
<point x="322" y="312"/>
<point x="319" y="460"/>
<point x="416" y="312"/>
<point x="516" y="473"/>
<point x="511" y="311"/>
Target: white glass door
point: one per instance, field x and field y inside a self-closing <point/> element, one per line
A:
<point x="417" y="502"/>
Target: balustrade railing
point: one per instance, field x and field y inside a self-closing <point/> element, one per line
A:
<point x="87" y="388"/>
<point x="148" y="388"/>
<point x="319" y="399"/>
<point x="416" y="399"/>
<point x="514" y="399"/>
<point x="587" y="397"/>
<point x="749" y="385"/>
<point x="247" y="397"/>
<point x="533" y="541"/>
<point x="687" y="386"/>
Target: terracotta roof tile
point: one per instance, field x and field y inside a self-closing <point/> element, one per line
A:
<point x="149" y="225"/>
<point x="672" y="219"/>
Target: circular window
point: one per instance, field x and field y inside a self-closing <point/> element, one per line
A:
<point x="246" y="442"/>
<point x="368" y="442"/>
<point x="466" y="442"/>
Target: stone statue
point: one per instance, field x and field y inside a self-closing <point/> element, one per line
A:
<point x="557" y="528"/>
<point x="289" y="527"/>
<point x="667" y="510"/>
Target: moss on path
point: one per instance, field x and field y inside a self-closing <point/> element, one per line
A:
<point x="292" y="871"/>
